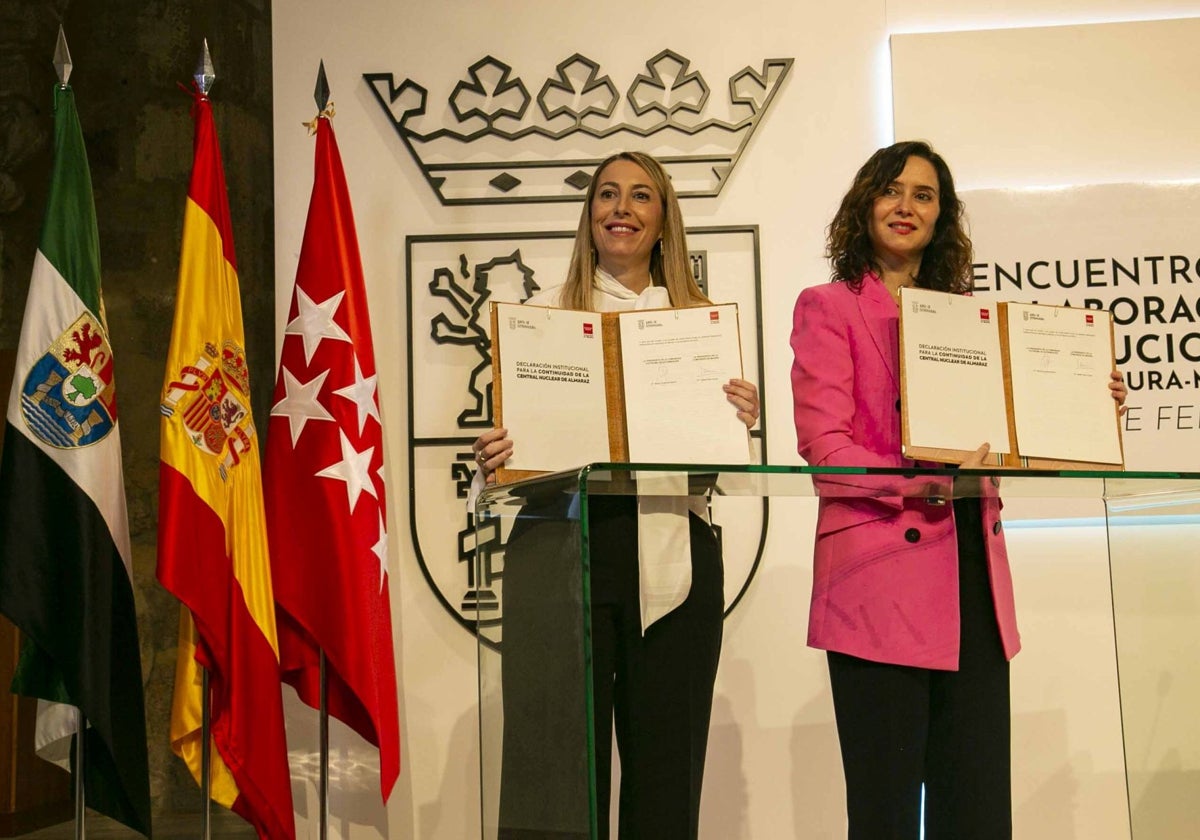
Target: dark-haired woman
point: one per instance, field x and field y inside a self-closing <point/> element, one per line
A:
<point x="912" y="597"/>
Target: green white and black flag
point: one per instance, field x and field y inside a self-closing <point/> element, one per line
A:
<point x="64" y="535"/>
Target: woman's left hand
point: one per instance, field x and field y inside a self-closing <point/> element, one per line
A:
<point x="744" y="397"/>
<point x="1118" y="390"/>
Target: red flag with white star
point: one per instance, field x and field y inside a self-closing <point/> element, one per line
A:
<point x="326" y="507"/>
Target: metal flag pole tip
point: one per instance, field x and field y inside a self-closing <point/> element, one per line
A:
<point x="321" y="97"/>
<point x="205" y="75"/>
<point x="62" y="58"/>
<point x="321" y="91"/>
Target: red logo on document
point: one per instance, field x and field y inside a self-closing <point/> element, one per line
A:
<point x="985" y="316"/>
<point x="714" y="316"/>
<point x="1089" y="319"/>
<point x="588" y="330"/>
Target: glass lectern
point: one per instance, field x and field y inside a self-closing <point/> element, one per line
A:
<point x="535" y="701"/>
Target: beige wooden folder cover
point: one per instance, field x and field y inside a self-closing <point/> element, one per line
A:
<point x="614" y="392"/>
<point x="1014" y="459"/>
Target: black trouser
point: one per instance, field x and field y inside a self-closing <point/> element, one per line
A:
<point x="901" y="727"/>
<point x="658" y="687"/>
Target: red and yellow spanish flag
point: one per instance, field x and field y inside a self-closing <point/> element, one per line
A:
<point x="212" y="541"/>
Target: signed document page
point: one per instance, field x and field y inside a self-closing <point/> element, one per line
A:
<point x="552" y="400"/>
<point x="675" y="363"/>
<point x="952" y="374"/>
<point x="1061" y="359"/>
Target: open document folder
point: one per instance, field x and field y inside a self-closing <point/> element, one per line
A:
<point x="1030" y="380"/>
<point x="574" y="387"/>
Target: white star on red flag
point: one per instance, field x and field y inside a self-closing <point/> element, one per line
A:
<point x="362" y="393"/>
<point x="380" y="549"/>
<point x="354" y="469"/>
<point x="300" y="402"/>
<point x="314" y="322"/>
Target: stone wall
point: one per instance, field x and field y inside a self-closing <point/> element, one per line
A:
<point x="129" y="56"/>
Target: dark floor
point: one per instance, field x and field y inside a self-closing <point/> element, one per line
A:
<point x="225" y="824"/>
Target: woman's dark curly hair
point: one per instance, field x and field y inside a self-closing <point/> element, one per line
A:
<point x="946" y="262"/>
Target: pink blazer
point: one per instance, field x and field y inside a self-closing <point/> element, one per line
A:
<point x="885" y="570"/>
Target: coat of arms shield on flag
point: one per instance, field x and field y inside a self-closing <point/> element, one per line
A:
<point x="212" y="395"/>
<point x="68" y="398"/>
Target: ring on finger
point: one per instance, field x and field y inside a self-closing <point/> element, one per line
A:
<point x="480" y="457"/>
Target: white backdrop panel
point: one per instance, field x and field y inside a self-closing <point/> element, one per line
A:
<point x="1055" y="105"/>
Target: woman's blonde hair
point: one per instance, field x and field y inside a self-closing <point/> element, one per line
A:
<point x="669" y="263"/>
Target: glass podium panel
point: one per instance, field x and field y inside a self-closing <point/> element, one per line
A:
<point x="537" y="765"/>
<point x="1154" y="557"/>
<point x="537" y="752"/>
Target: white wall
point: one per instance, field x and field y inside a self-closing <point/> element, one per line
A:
<point x="774" y="768"/>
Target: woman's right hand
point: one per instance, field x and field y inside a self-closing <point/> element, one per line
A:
<point x="969" y="486"/>
<point x="492" y="449"/>
<point x="975" y="461"/>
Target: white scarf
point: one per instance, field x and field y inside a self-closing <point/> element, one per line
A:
<point x="664" y="534"/>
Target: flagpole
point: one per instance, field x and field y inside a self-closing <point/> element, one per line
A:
<point x="204" y="76"/>
<point x="321" y="97"/>
<point x="62" y="68"/>
<point x="80" y="807"/>
<point x="205" y="760"/>
<point x="323" y="788"/>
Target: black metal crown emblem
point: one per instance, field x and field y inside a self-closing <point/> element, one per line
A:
<point x="499" y="150"/>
